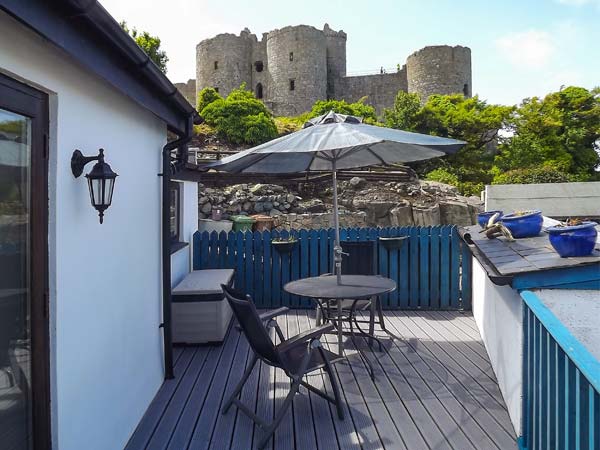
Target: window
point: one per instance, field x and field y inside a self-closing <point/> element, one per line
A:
<point x="292" y="85"/>
<point x="259" y="91"/>
<point x="258" y="65"/>
<point x="175" y="212"/>
<point x="216" y="89"/>
<point x="466" y="90"/>
<point x="216" y="65"/>
<point x="291" y="56"/>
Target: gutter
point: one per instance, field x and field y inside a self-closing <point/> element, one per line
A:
<point x="167" y="170"/>
<point x="495" y="277"/>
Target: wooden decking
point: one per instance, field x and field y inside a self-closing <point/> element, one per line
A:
<point x="434" y="389"/>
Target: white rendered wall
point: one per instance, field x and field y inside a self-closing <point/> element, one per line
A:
<point x="498" y="313"/>
<point x="105" y="280"/>
<point x="181" y="260"/>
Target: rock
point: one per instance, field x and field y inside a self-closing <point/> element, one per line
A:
<point x="202" y="200"/>
<point x="356" y="182"/>
<point x="206" y="208"/>
<point x="259" y="207"/>
<point x="287" y="205"/>
<point x="426" y="216"/>
<point x="275" y="212"/>
<point x="290" y="198"/>
<point x="268" y="206"/>
<point x="314" y="206"/>
<point x="402" y="215"/>
<point x="455" y="213"/>
<point x="247" y="206"/>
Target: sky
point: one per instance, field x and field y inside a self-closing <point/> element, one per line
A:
<point x="519" y="48"/>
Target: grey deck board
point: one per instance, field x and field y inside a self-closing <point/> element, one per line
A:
<point x="434" y="389"/>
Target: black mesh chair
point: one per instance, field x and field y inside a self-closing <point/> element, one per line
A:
<point x="296" y="356"/>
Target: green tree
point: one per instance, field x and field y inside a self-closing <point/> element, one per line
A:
<point x="240" y="118"/>
<point x="560" y="131"/>
<point x="150" y="44"/>
<point x="205" y="97"/>
<point x="405" y="113"/>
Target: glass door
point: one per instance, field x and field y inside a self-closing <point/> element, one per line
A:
<point x="23" y="324"/>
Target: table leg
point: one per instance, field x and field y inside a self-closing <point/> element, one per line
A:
<point x="374" y="300"/>
<point x="319" y="317"/>
<point x="340" y="332"/>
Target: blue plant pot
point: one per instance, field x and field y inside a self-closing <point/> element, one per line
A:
<point x="576" y="240"/>
<point x="484" y="217"/>
<point x="525" y="225"/>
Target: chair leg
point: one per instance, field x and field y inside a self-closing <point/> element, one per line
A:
<point x="240" y="385"/>
<point x="286" y="404"/>
<point x="334" y="385"/>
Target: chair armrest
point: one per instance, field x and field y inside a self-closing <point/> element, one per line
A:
<point x="274" y="313"/>
<point x="305" y="336"/>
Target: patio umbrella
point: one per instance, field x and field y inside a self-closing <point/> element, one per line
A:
<point x="332" y="142"/>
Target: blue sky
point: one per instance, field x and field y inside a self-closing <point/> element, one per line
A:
<point x="519" y="48"/>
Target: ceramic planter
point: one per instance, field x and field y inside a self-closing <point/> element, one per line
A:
<point x="523" y="225"/>
<point x="576" y="240"/>
<point x="484" y="217"/>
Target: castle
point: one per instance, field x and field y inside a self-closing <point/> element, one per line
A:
<point x="293" y="67"/>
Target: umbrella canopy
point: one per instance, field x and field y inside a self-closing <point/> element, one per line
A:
<point x="332" y="142"/>
<point x="340" y="138"/>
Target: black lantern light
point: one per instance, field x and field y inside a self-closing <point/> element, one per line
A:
<point x="101" y="180"/>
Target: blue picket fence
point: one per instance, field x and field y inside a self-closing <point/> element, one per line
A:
<point x="432" y="268"/>
<point x="561" y="381"/>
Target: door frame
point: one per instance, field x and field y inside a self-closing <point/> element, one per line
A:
<point x="27" y="101"/>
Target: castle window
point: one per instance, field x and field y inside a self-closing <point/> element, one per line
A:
<point x="259" y="66"/>
<point x="259" y="91"/>
<point x="216" y="65"/>
<point x="291" y="56"/>
<point x="216" y="89"/>
<point x="466" y="90"/>
<point x="292" y="85"/>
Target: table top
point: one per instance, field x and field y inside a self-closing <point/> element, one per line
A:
<point x="353" y="286"/>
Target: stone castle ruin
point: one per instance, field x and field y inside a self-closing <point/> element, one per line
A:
<point x="293" y="67"/>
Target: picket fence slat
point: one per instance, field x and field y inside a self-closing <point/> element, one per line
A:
<point x="432" y="267"/>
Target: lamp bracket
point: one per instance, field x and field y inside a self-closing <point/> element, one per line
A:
<point x="78" y="161"/>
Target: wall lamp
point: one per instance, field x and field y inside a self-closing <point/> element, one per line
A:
<point x="101" y="180"/>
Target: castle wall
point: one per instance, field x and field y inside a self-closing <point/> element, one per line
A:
<point x="380" y="90"/>
<point x="307" y="69"/>
<point x="440" y="69"/>
<point x="231" y="54"/>
<point x="188" y="90"/>
<point x="259" y="56"/>
<point x="336" y="59"/>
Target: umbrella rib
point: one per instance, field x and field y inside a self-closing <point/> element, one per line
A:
<point x="377" y="156"/>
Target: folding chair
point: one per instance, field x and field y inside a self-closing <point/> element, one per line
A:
<point x="296" y="356"/>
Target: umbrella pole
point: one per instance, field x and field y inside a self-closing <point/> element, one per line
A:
<point x="337" y="249"/>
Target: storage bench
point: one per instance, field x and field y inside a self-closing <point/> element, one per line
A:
<point x="200" y="312"/>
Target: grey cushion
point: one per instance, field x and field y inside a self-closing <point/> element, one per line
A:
<point x="203" y="282"/>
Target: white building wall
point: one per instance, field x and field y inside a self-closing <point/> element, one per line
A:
<point x="181" y="261"/>
<point x="498" y="312"/>
<point x="105" y="280"/>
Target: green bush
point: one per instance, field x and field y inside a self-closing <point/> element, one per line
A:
<point x="240" y="118"/>
<point x="470" y="188"/>
<point x="533" y="175"/>
<point x="443" y="176"/>
<point x="205" y="97"/>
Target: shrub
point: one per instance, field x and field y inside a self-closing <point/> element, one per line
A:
<point x="205" y="97"/>
<point x="240" y="118"/>
<point x="443" y="176"/>
<point x="542" y="174"/>
<point x="470" y="188"/>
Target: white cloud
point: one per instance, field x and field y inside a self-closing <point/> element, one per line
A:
<point x="532" y="48"/>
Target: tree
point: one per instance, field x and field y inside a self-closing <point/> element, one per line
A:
<point x="150" y="44"/>
<point x="359" y="109"/>
<point x="405" y="113"/>
<point x="205" y="97"/>
<point x="560" y="131"/>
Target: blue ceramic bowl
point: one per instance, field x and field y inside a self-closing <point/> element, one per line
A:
<point x="523" y="225"/>
<point x="576" y="240"/>
<point x="483" y="217"/>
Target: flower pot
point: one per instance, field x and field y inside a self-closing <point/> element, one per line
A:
<point x="484" y="217"/>
<point x="523" y="225"/>
<point x="576" y="240"/>
<point x="391" y="243"/>
<point x="284" y="246"/>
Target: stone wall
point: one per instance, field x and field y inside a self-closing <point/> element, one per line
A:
<point x="188" y="90"/>
<point x="380" y="89"/>
<point x="315" y="221"/>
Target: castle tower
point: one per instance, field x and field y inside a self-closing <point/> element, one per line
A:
<point x="297" y="62"/>
<point x="440" y="69"/>
<point x="336" y="59"/>
<point x="223" y="62"/>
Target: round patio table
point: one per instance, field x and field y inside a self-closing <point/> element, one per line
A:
<point x="352" y="287"/>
